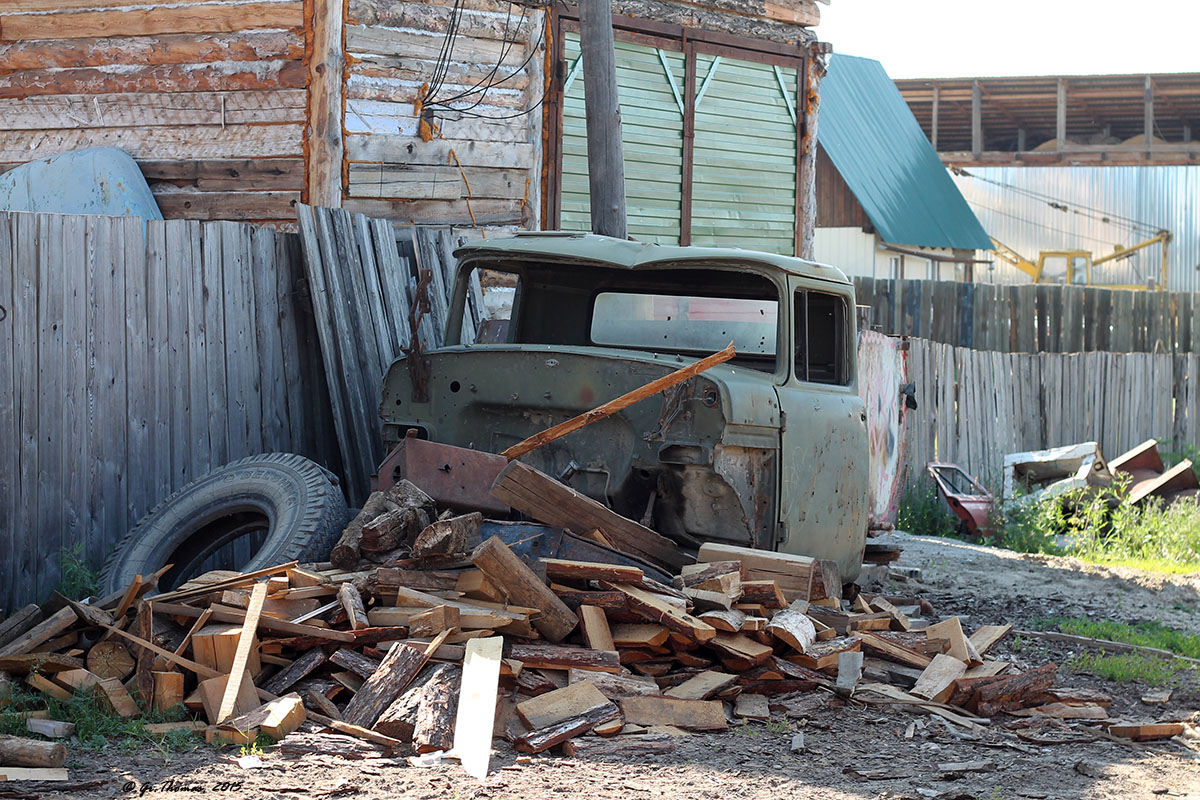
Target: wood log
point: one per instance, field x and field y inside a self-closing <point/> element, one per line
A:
<point x="419" y="579"/>
<point x="110" y="660"/>
<point x="323" y="705"/>
<point x="635" y="745"/>
<point x="699" y="715"/>
<point x="407" y="510"/>
<point x="741" y="651"/>
<point x="522" y="585"/>
<point x="398" y="667"/>
<point x="43" y="663"/>
<point x="448" y="537"/>
<point x="705" y="600"/>
<point x="544" y="738"/>
<point x="556" y="657"/>
<point x="351" y="601"/>
<point x="765" y="593"/>
<point x="730" y="621"/>
<point x="556" y="706"/>
<point x="433" y="728"/>
<point x="400" y="718"/>
<point x="1009" y="692"/>
<point x="19" y="752"/>
<point x="361" y="665"/>
<point x="50" y="728"/>
<point x="19" y="622"/>
<point x="561" y="569"/>
<point x="887" y="649"/>
<point x="613" y="406"/>
<point x="639" y="635"/>
<point x="330" y="745"/>
<point x="283" y="680"/>
<point x="612" y="601"/>
<point x="347" y="552"/>
<point x="899" y="618"/>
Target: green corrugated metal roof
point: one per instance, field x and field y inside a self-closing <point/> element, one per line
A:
<point x="879" y="148"/>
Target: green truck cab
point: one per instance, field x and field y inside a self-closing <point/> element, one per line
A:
<point x="767" y="450"/>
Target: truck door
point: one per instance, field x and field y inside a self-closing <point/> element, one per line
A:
<point x="824" y="457"/>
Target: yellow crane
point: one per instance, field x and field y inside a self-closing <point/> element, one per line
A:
<point x="1075" y="267"/>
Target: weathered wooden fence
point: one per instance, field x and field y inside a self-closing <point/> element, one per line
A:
<point x="1033" y="319"/>
<point x="138" y="355"/>
<point x="976" y="406"/>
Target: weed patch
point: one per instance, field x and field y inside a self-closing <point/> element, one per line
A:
<point x="1145" y="634"/>
<point x="1128" y="668"/>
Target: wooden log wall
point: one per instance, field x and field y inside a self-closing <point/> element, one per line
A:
<point x="974" y="407"/>
<point x="134" y="357"/>
<point x="209" y="97"/>
<point x="1034" y="319"/>
<point x="483" y="167"/>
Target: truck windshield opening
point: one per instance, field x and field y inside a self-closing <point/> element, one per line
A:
<point x="685" y="323"/>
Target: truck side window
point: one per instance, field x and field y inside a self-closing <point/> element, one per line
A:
<point x="821" y="337"/>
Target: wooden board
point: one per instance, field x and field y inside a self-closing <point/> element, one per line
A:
<point x="938" y="678"/>
<point x="525" y="489"/>
<point x="477" y="705"/>
<point x="595" y="627"/>
<point x="702" y="685"/>
<point x="238" y="671"/>
<point x="799" y="577"/>
<point x="697" y="715"/>
<point x="653" y="607"/>
<point x="523" y="586"/>
<point x="553" y="707"/>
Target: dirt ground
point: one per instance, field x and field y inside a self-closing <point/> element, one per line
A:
<point x="851" y="750"/>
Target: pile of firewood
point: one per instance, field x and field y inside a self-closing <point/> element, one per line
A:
<point x="424" y="635"/>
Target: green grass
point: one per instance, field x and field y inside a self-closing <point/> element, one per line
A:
<point x="1129" y="668"/>
<point x="96" y="726"/>
<point x="1145" y="634"/>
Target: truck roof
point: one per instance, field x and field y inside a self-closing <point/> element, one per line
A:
<point x="584" y="249"/>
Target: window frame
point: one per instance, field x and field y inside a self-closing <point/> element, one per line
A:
<point x="844" y="334"/>
<point x="690" y="42"/>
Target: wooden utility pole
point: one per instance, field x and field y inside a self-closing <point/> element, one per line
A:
<point x="606" y="161"/>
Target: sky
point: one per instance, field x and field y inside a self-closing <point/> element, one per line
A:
<point x="968" y="38"/>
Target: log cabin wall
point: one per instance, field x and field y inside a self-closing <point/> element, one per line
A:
<point x="209" y="97"/>
<point x="482" y="164"/>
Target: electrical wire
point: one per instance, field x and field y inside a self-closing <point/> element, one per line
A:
<point x="505" y="49"/>
<point x="1098" y="215"/>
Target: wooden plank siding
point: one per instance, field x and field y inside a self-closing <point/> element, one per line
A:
<point x="1030" y="319"/>
<point x="184" y="88"/>
<point x="483" y="167"/>
<point x="976" y="406"/>
<point x="134" y="357"/>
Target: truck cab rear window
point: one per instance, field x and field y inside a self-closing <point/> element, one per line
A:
<point x="687" y="324"/>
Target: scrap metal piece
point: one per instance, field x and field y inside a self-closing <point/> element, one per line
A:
<point x="967" y="498"/>
<point x="455" y="477"/>
<point x="1151" y="478"/>
<point x="1041" y="474"/>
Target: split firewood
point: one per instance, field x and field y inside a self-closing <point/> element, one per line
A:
<point x="793" y="627"/>
<point x="937" y="681"/>
<point x="434" y="621"/>
<point x="110" y="660"/>
<point x="283" y="680"/>
<point x="700" y="715"/>
<point x="639" y="744"/>
<point x="554" y="734"/>
<point x="702" y="686"/>
<point x="563" y="570"/>
<point x="596" y="630"/>
<point x="348" y="550"/>
<point x="614" y="686"/>
<point x="523" y="586"/>
<point x="960" y="646"/>
<point x="352" y="603"/>
<point x="400" y="666"/>
<point x="407" y="511"/>
<point x="448" y="537"/>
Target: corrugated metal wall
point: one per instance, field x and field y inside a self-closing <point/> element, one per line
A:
<point x="1022" y="218"/>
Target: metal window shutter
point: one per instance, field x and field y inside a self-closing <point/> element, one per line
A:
<point x="652" y="135"/>
<point x="744" y="164"/>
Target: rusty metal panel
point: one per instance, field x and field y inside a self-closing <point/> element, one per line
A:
<point x="882" y="372"/>
<point x="454" y="477"/>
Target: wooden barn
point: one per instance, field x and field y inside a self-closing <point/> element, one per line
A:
<point x="462" y="112"/>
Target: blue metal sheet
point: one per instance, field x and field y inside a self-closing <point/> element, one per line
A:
<point x="881" y="152"/>
<point x="96" y="180"/>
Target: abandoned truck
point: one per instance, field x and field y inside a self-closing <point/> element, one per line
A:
<point x="767" y="450"/>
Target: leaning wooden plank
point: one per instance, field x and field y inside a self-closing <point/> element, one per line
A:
<point x="477" y="705"/>
<point x="937" y="681"/>
<point x="270" y="623"/>
<point x="553" y="707"/>
<point x="613" y="406"/>
<point x="549" y="501"/>
<point x="505" y="570"/>
<point x="695" y="715"/>
<point x="20" y="752"/>
<point x="242" y="656"/>
<point x="653" y="607"/>
<point x="47" y="687"/>
<point x="596" y="631"/>
<point x="42" y="632"/>
<point x="548" y="656"/>
<point x="397" y="669"/>
<point x="118" y="697"/>
<point x="960" y="647"/>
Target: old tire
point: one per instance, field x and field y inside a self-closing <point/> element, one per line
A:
<point x="253" y="513"/>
